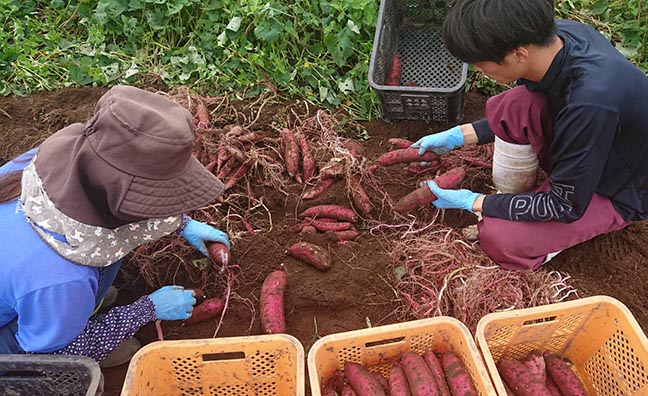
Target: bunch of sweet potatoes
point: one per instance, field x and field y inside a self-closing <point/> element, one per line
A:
<point x="413" y="375"/>
<point x="296" y="150"/>
<point x="330" y="218"/>
<point x="232" y="164"/>
<point x="415" y="167"/>
<point x="540" y="375"/>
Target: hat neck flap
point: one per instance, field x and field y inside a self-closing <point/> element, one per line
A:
<point x="85" y="244"/>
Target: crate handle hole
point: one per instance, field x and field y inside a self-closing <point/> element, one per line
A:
<point x="208" y="357"/>
<point x="23" y="374"/>
<point x="539" y="320"/>
<point x="384" y="342"/>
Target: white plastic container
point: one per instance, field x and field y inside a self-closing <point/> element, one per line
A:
<point x="515" y="167"/>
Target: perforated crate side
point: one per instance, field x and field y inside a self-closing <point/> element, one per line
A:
<point x="266" y="365"/>
<point x="598" y="334"/>
<point x="412" y="29"/>
<point x="378" y="348"/>
<point x="50" y="375"/>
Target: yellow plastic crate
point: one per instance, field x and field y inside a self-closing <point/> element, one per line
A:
<point x="378" y="347"/>
<point x="598" y="334"/>
<point x="265" y="365"/>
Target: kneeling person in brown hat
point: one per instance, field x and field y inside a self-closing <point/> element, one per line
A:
<point x="71" y="209"/>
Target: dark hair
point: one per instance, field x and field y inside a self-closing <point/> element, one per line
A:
<point x="487" y="30"/>
<point x="11" y="182"/>
<point x="10" y="186"/>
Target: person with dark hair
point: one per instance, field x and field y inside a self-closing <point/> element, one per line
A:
<point x="72" y="208"/>
<point x="577" y="112"/>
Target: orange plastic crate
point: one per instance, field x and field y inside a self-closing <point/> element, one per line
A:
<point x="378" y="347"/>
<point x="598" y="334"/>
<point x="265" y="365"/>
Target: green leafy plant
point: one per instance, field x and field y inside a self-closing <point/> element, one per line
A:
<point x="317" y="50"/>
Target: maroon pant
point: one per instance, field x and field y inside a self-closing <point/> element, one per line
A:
<point x="521" y="116"/>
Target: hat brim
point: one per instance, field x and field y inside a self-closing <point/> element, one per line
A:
<point x="195" y="188"/>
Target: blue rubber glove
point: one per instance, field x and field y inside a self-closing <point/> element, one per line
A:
<point x="197" y="233"/>
<point x="452" y="199"/>
<point x="441" y="142"/>
<point x="173" y="303"/>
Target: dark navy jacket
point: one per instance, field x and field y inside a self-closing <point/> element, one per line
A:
<point x="600" y="144"/>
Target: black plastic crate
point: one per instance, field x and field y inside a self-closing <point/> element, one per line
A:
<point x="412" y="29"/>
<point x="51" y="375"/>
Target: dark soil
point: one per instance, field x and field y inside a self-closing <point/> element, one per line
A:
<point x="356" y="292"/>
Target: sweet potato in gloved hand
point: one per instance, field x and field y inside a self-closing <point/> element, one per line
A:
<point x="197" y="233"/>
<point x="173" y="302"/>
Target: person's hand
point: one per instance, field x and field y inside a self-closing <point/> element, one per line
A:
<point x="197" y="233"/>
<point x="173" y="303"/>
<point x="452" y="199"/>
<point x="441" y="142"/>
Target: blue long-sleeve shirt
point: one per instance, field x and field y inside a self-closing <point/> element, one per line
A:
<point x="53" y="298"/>
<point x="598" y="100"/>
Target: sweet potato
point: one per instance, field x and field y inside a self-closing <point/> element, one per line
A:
<point x="237" y="175"/>
<point x="417" y="167"/>
<point x="382" y="381"/>
<point x="311" y="254"/>
<point x="347" y="390"/>
<point x="363" y="383"/>
<point x="219" y="253"/>
<point x="308" y="229"/>
<point x="418" y="198"/>
<point x="250" y="137"/>
<point x="451" y="178"/>
<point x="434" y="365"/>
<point x="223" y="155"/>
<point x="308" y="162"/>
<point x="322" y="219"/>
<point x="418" y="375"/>
<point x="458" y="379"/>
<point x="234" y="130"/>
<point x="355" y="149"/>
<point x="211" y="164"/>
<point x="331" y="211"/>
<point x="398" y="385"/>
<point x="273" y="320"/>
<point x="359" y="197"/>
<point x="227" y="168"/>
<point x="519" y="379"/>
<point x="508" y="390"/>
<point x="347" y="235"/>
<point x="291" y="153"/>
<point x="400" y="143"/>
<point x="325" y="226"/>
<point x="208" y="309"/>
<point x="202" y="116"/>
<point x="199" y="294"/>
<point x="551" y="387"/>
<point x="394" y="74"/>
<point x="535" y="363"/>
<point x="319" y="188"/>
<point x="338" y="380"/>
<point x="406" y="155"/>
<point x="564" y="377"/>
<point x="423" y="196"/>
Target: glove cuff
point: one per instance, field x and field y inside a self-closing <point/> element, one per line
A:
<point x="456" y="135"/>
<point x="183" y="223"/>
<point x="471" y="201"/>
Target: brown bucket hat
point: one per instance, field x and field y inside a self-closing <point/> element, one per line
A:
<point x="132" y="161"/>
